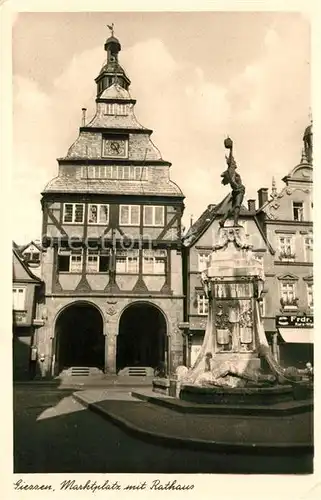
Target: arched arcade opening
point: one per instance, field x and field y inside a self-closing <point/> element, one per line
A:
<point x="79" y="337"/>
<point x="142" y="337"/>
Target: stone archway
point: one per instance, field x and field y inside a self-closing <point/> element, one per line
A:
<point x="79" y="337"/>
<point x="142" y="337"/>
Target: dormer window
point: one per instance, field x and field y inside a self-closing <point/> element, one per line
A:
<point x="298" y="211"/>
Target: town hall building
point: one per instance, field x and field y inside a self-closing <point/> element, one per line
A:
<point x="112" y="231"/>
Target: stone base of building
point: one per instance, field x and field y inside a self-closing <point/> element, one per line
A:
<point x="110" y="312"/>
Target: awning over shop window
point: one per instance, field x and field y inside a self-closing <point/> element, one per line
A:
<point x="297" y="335"/>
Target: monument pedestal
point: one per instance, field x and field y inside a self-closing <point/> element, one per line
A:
<point x="234" y="342"/>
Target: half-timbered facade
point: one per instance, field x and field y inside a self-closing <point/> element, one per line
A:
<point x="112" y="232"/>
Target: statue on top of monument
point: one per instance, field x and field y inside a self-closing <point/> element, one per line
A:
<point x="231" y="177"/>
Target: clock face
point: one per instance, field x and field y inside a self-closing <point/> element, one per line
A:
<point x="115" y="148"/>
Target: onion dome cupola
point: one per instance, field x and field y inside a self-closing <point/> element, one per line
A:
<point x="111" y="72"/>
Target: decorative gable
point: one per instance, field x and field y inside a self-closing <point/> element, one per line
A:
<point x="288" y="277"/>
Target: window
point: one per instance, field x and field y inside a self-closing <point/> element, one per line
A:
<point x="31" y="255"/>
<point x="153" y="216"/>
<point x="73" y="213"/>
<point x="19" y="295"/>
<point x="286" y="247"/>
<point x="288" y="293"/>
<point x="116" y="109"/>
<point x="202" y="304"/>
<point x="308" y="248"/>
<point x="154" y="261"/>
<point x="202" y="261"/>
<point x="69" y="261"/>
<point x="119" y="172"/>
<point x="98" y="214"/>
<point x="127" y="261"/>
<point x="298" y="211"/>
<point x="97" y="262"/>
<point x="129" y="215"/>
<point x="310" y="295"/>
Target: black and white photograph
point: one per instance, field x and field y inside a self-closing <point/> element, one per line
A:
<point x="161" y="223"/>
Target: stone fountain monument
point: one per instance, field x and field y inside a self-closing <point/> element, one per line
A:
<point x="228" y="366"/>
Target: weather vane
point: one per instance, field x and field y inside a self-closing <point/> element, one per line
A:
<point x="111" y="27"/>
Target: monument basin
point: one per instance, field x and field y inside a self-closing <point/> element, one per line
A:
<point x="246" y="395"/>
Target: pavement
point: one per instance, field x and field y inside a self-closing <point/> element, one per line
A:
<point x="80" y="382"/>
<point x="54" y="433"/>
<point x="215" y="432"/>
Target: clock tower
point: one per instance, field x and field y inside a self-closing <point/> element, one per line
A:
<point x="112" y="232"/>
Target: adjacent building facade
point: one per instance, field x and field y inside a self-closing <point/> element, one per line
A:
<point x="286" y="219"/>
<point x="112" y="243"/>
<point x="32" y="253"/>
<point x="26" y="290"/>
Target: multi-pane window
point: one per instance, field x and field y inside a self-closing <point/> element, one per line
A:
<point x="115" y="172"/>
<point x="202" y="261"/>
<point x="288" y="292"/>
<point x="70" y="261"/>
<point x="18" y="300"/>
<point x="308" y="248"/>
<point x="298" y="211"/>
<point x="98" y="261"/>
<point x="98" y="214"/>
<point x="153" y="216"/>
<point x="286" y="246"/>
<point x="202" y="304"/>
<point x="310" y="295"/>
<point x="129" y="215"/>
<point x="127" y="261"/>
<point x="154" y="261"/>
<point x="73" y="213"/>
<point x="116" y="109"/>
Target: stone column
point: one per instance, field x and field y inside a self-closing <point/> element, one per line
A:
<point x="110" y="353"/>
<point x="106" y="354"/>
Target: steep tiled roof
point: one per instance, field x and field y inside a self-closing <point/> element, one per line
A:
<point x="32" y="242"/>
<point x="17" y="256"/>
<point x="115" y="121"/>
<point x="66" y="184"/>
<point x="210" y="214"/>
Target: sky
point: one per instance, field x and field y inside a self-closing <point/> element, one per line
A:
<point x="197" y="78"/>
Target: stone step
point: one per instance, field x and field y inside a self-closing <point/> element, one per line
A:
<point x="136" y="371"/>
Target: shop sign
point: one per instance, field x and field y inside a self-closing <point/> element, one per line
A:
<point x="294" y="321"/>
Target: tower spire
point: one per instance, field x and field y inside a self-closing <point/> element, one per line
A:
<point x="111" y="72"/>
